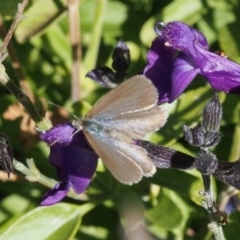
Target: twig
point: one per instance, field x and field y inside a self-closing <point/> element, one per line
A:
<point x="16" y="64"/>
<point x="21" y="97"/>
<point x="17" y="19"/>
<point x="74" y="26"/>
<point x="42" y="123"/>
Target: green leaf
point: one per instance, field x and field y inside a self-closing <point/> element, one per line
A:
<point x="171" y="212"/>
<point x="209" y="32"/>
<point x="8" y="8"/>
<point x="112" y="19"/>
<point x="15" y="200"/>
<point x="189" y="11"/>
<point x="41" y="15"/>
<point x="182" y="182"/>
<point x="13" y="207"/>
<point x="94" y="41"/>
<point x="58" y="42"/>
<point x="226" y="21"/>
<point x="147" y="33"/>
<point x="56" y="222"/>
<point x="232" y="229"/>
<point x="231" y="110"/>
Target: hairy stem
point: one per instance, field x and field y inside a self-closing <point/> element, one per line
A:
<point x="42" y="123"/>
<point x="17" y="19"/>
<point x="16" y="65"/>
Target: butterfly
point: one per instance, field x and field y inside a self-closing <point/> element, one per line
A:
<point x="126" y="113"/>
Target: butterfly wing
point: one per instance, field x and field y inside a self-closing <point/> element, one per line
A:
<point x="139" y="123"/>
<point x="132" y="95"/>
<point x="127" y="162"/>
<point x="131" y="107"/>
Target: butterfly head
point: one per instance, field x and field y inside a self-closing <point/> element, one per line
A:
<point x="78" y="124"/>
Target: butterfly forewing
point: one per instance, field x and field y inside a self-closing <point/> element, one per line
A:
<point x="131" y="107"/>
<point x="135" y="94"/>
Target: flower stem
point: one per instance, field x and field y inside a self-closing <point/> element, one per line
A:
<point x="17" y="19"/>
<point x="209" y="204"/>
<point x="205" y="136"/>
<point x="16" y="65"/>
<point x="42" y="123"/>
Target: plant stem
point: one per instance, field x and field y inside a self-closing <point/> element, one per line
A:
<point x="209" y="204"/>
<point x="42" y="123"/>
<point x="16" y="65"/>
<point x="91" y="57"/>
<point x="74" y="26"/>
<point x="17" y="19"/>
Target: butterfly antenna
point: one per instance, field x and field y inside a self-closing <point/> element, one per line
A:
<point x="77" y="120"/>
<point x="71" y="114"/>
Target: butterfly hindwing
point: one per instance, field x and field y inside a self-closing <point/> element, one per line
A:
<point x="127" y="162"/>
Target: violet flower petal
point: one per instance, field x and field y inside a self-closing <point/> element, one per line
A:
<point x="74" y="164"/>
<point x="182" y="37"/>
<point x="159" y="68"/>
<point x="55" y="195"/>
<point x="221" y="73"/>
<point x="167" y="32"/>
<point x="81" y="166"/>
<point x="60" y="134"/>
<point x="182" y="74"/>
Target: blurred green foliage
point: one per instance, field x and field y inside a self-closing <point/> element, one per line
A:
<point x="166" y="206"/>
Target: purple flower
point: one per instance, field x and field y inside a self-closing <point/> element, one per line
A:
<point x="179" y="54"/>
<point x="74" y="159"/>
